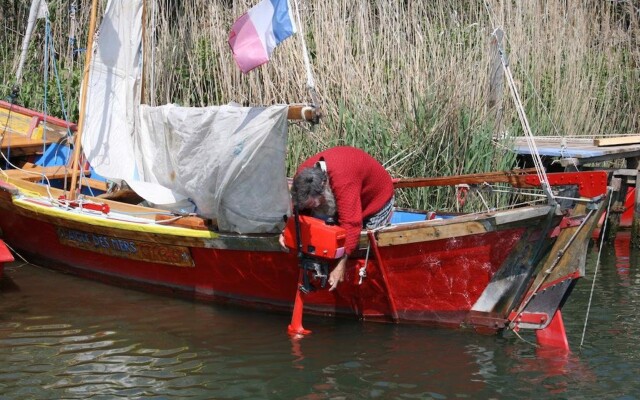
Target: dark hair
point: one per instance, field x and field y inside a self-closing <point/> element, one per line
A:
<point x="308" y="183"/>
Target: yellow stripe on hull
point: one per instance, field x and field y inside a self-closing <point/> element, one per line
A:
<point x="24" y="203"/>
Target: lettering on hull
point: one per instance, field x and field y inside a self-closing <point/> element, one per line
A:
<point x="126" y="248"/>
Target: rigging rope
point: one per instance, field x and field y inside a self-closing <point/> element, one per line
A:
<point x="533" y="149"/>
<point x="311" y="85"/>
<point x="595" y="273"/>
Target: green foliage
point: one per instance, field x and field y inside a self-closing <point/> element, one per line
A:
<point x="404" y="80"/>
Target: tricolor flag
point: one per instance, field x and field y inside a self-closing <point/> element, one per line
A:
<point x="255" y="34"/>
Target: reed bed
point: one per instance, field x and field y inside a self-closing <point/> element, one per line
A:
<point x="405" y="80"/>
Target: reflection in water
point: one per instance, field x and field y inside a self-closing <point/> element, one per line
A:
<point x="622" y="247"/>
<point x="61" y="337"/>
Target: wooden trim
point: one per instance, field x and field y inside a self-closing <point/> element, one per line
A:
<point x="55" y="192"/>
<point x="384" y="273"/>
<point x="31" y="113"/>
<point x="23" y="144"/>
<point x="36" y="173"/>
<point x="95" y="184"/>
<point x="617" y="141"/>
<point x="513" y="177"/>
<point x="191" y="222"/>
<point x="426" y="231"/>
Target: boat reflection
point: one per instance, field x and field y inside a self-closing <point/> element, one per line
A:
<point x="622" y="248"/>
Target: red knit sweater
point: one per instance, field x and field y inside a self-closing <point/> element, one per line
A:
<point x="361" y="187"/>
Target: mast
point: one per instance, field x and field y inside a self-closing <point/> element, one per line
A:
<point x="83" y="101"/>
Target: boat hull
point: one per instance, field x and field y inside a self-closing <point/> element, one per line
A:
<point x="472" y="270"/>
<point x="428" y="281"/>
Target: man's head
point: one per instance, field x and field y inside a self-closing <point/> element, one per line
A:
<point x="310" y="191"/>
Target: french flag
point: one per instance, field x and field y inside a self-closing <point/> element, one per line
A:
<point x="256" y="33"/>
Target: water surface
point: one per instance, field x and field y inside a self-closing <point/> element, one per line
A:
<point x="63" y="337"/>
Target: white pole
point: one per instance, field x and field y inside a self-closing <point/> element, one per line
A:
<point x="38" y="10"/>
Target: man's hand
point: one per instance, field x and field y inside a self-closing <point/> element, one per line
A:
<point x="337" y="275"/>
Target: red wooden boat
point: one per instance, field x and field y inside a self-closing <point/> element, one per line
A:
<point x="491" y="269"/>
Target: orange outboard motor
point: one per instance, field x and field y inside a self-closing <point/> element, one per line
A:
<point x="318" y="239"/>
<point x="317" y="244"/>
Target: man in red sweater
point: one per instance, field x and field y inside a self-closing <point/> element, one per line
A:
<point x="348" y="185"/>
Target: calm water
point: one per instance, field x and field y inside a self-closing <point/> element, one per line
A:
<point x="62" y="337"/>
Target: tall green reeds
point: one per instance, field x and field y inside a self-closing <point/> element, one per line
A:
<point x="405" y="80"/>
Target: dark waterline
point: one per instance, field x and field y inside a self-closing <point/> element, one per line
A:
<point x="63" y="337"/>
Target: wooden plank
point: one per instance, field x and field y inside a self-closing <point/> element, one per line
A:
<point x="36" y="173"/>
<point x="617" y="141"/>
<point x="12" y="140"/>
<point x="429" y="233"/>
<point x="490" y="177"/>
<point x="582" y="150"/>
<point x="95" y="184"/>
<point x="192" y="222"/>
<point x="20" y="145"/>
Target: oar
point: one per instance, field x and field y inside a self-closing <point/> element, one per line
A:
<point x="295" y="327"/>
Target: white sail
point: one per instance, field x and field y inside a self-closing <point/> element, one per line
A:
<point x="113" y="92"/>
<point x="229" y="161"/>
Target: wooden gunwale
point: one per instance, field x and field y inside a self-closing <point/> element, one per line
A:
<point x="154" y="233"/>
<point x="31" y="113"/>
<point x="514" y="177"/>
<point x="461" y="226"/>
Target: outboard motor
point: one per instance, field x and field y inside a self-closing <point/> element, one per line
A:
<point x="318" y="243"/>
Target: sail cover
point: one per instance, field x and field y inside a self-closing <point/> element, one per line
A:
<point x="228" y="161"/>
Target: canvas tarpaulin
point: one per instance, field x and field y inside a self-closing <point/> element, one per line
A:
<point x="228" y="160"/>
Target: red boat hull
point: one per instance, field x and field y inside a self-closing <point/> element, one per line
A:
<point x="434" y="282"/>
<point x="491" y="270"/>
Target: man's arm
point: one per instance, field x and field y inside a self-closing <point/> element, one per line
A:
<point x="337" y="275"/>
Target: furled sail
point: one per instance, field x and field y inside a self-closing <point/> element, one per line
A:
<point x="229" y="160"/>
<point x="114" y="92"/>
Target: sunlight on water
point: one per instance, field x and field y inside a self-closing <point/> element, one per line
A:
<point x="62" y="337"/>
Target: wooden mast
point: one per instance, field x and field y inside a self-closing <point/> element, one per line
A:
<point x="83" y="101"/>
